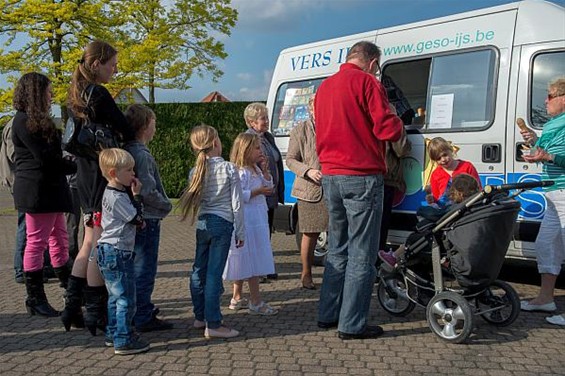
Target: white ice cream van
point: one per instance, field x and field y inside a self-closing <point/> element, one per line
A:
<point x="466" y="78"/>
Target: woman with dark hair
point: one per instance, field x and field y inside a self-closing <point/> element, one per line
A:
<point x="40" y="187"/>
<point x="89" y="100"/>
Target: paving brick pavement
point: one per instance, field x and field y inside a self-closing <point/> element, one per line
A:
<point x="287" y="344"/>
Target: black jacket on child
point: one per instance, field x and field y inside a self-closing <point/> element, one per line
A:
<point x="40" y="184"/>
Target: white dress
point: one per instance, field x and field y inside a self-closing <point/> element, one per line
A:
<point x="255" y="258"/>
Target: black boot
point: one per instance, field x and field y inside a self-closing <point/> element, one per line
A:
<point x="72" y="314"/>
<point x="96" y="304"/>
<point x="62" y="273"/>
<point x="36" y="302"/>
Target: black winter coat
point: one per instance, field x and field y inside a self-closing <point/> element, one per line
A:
<point x="40" y="184"/>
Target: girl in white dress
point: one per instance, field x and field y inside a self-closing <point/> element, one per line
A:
<point x="255" y="258"/>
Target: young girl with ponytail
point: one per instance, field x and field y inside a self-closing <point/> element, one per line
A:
<point x="213" y="197"/>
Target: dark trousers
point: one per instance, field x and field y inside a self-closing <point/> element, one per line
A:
<point x="73" y="225"/>
<point x="388" y="199"/>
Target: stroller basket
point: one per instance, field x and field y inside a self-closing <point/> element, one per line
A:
<point x="479" y="240"/>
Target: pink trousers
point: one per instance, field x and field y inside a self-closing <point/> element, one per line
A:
<point x="45" y="229"/>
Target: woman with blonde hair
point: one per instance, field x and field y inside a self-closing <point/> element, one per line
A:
<point x="550" y="243"/>
<point x="89" y="100"/>
<point x="257" y="119"/>
<point x="213" y="196"/>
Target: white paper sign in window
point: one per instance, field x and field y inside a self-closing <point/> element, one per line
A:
<point x="441" y="111"/>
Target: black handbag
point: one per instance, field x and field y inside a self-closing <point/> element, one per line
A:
<point x="86" y="139"/>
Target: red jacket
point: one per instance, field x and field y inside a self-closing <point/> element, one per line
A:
<point x="353" y="121"/>
<point x="440" y="178"/>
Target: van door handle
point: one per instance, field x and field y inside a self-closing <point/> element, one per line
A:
<point x="491" y="153"/>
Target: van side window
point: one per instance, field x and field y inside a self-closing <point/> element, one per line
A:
<point x="291" y="105"/>
<point x="547" y="67"/>
<point x="447" y="92"/>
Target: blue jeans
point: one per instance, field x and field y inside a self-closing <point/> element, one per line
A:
<point x="213" y="239"/>
<point x="355" y="208"/>
<point x="145" y="267"/>
<point x="117" y="268"/>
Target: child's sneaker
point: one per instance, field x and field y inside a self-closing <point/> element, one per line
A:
<point x="236" y="305"/>
<point x="388" y="259"/>
<point x="262" y="309"/>
<point x="136" y="346"/>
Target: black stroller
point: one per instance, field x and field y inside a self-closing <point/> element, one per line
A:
<point x="451" y="268"/>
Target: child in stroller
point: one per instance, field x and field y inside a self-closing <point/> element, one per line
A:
<point x="462" y="187"/>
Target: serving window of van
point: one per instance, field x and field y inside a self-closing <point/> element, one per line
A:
<point x="291" y="105"/>
<point x="546" y="67"/>
<point x="450" y="92"/>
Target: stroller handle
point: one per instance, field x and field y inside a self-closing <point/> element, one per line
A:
<point x="508" y="187"/>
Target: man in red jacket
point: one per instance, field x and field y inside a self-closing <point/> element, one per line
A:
<point x="353" y="122"/>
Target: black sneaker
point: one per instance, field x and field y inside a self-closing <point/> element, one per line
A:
<point x="327" y="325"/>
<point x="136" y="346"/>
<point x="369" y="332"/>
<point x="155" y="312"/>
<point x="108" y="342"/>
<point x="153" y="325"/>
<point x="20" y="279"/>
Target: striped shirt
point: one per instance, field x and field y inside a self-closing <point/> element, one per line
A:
<point x="221" y="194"/>
<point x="556" y="171"/>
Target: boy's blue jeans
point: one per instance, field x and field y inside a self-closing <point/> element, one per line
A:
<point x="117" y="268"/>
<point x="213" y="239"/>
<point x="355" y="207"/>
<point x="145" y="267"/>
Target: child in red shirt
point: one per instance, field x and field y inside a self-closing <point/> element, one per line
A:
<point x="441" y="152"/>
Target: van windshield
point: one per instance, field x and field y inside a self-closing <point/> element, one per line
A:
<point x="291" y="105"/>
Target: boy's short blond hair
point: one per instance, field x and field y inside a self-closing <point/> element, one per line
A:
<point x="253" y="111"/>
<point x="114" y="158"/>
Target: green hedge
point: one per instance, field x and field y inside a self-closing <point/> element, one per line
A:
<point x="171" y="145"/>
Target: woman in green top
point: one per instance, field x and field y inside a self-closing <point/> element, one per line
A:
<point x="550" y="243"/>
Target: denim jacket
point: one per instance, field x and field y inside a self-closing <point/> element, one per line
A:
<point x="156" y="204"/>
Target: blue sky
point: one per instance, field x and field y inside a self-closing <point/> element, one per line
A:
<point x="265" y="27"/>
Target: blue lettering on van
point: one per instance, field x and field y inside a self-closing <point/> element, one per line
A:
<point x="311" y="61"/>
<point x="459" y="40"/>
<point x="318" y="59"/>
<point x="533" y="201"/>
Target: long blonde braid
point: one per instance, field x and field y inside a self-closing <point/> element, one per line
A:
<point x="202" y="141"/>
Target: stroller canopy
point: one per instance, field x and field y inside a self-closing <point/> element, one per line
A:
<point x="479" y="241"/>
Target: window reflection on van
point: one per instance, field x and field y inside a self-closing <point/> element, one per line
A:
<point x="448" y="92"/>
<point x="547" y="67"/>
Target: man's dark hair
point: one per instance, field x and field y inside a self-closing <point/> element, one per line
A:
<point x="364" y="50"/>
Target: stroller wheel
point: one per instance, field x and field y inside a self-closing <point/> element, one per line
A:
<point x="450" y="317"/>
<point x="391" y="293"/>
<point x="502" y="303"/>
